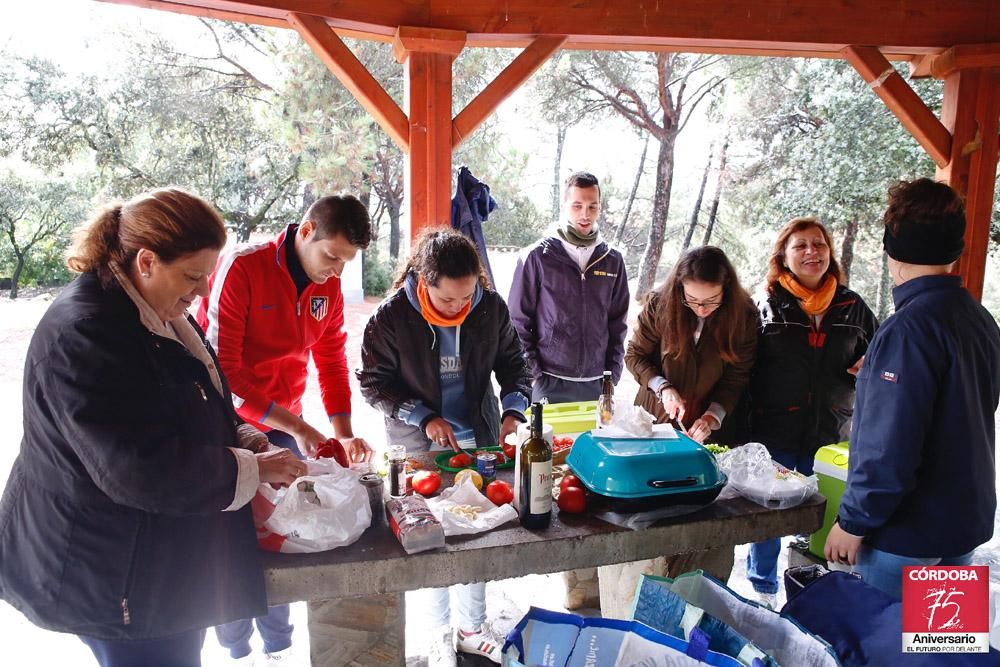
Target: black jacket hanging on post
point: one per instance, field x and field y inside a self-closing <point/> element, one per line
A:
<point x="470" y="207"/>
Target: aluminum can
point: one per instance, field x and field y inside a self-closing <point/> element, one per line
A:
<point x="376" y="487"/>
<point x="397" y="471"/>
<point x="486" y="465"/>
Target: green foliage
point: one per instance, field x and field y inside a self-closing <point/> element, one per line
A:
<point x="812" y="139"/>
<point x="377" y="273"/>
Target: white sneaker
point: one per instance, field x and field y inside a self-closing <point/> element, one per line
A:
<point x="245" y="661"/>
<point x="441" y="652"/>
<point x="282" y="657"/>
<point x="484" y="641"/>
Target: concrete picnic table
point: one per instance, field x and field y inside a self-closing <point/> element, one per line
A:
<point x="355" y="593"/>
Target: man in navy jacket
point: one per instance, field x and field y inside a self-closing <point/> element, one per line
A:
<point x="569" y="302"/>
<point x="921" y="486"/>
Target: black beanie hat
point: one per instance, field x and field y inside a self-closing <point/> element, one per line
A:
<point x="925" y="224"/>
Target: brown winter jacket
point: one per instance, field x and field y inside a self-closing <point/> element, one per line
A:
<point x="701" y="377"/>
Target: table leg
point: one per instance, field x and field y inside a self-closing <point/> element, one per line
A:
<point x="358" y="632"/>
<point x="618" y="582"/>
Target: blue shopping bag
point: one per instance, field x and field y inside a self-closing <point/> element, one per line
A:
<point x="743" y="630"/>
<point x="555" y="639"/>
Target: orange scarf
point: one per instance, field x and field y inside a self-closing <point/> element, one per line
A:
<point x="430" y="313"/>
<point x="813" y="302"/>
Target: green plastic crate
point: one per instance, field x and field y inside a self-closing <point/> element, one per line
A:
<point x="831" y="475"/>
<point x="568" y="418"/>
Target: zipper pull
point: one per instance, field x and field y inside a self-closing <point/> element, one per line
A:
<point x="298" y="308"/>
<point x="126" y="616"/>
<point x="583" y="276"/>
<point x="204" y="396"/>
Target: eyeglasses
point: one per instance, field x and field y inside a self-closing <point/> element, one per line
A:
<point x="708" y="304"/>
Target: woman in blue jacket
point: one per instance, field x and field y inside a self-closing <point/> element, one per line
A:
<point x="125" y="519"/>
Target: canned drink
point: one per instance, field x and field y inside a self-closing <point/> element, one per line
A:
<point x="486" y="465"/>
<point x="375" y="486"/>
<point x="397" y="471"/>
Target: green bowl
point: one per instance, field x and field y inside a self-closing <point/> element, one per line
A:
<point x="442" y="459"/>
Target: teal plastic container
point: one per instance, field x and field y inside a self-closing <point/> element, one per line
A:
<point x="648" y="471"/>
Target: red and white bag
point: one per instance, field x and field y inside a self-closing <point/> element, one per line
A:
<point x="325" y="509"/>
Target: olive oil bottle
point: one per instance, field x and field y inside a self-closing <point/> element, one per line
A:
<point x="535" y="470"/>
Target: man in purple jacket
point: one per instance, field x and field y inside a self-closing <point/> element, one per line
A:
<point x="569" y="302"/>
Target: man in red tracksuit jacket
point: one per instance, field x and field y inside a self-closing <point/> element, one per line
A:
<point x="271" y="306"/>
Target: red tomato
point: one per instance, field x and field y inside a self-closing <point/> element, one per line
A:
<point x="499" y="492"/>
<point x="332" y="449"/>
<point x="510" y="451"/>
<point x="460" y="461"/>
<point x="569" y="480"/>
<point x="426" y="482"/>
<point x="501" y="459"/>
<point x="572" y="499"/>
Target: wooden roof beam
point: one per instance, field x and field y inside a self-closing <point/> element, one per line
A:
<point x="680" y="25"/>
<point x="509" y="80"/>
<point x="356" y="78"/>
<point x="902" y="101"/>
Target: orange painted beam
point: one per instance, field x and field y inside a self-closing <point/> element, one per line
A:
<point x="965" y="56"/>
<point x="902" y="101"/>
<point x="972" y="112"/>
<point x="428" y="86"/>
<point x="502" y="87"/>
<point x="796" y="25"/>
<point x="352" y="73"/>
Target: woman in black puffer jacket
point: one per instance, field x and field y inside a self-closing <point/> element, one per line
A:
<point x="814" y="334"/>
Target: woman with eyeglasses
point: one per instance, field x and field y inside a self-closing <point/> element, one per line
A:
<point x="814" y="334"/>
<point x="694" y="344"/>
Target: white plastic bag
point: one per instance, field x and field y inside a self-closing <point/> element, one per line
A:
<point x="485" y="516"/>
<point x="628" y="421"/>
<point x="325" y="509"/>
<point x="757" y="477"/>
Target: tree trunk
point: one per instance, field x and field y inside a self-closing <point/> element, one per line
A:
<point x="18" y="269"/>
<point x="631" y="197"/>
<point x="658" y="224"/>
<point x="713" y="214"/>
<point x="556" y="170"/>
<point x="847" y="249"/>
<point x="884" y="308"/>
<point x="696" y="211"/>
<point x="392" y="205"/>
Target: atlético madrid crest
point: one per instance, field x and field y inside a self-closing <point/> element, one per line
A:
<point x="318" y="307"/>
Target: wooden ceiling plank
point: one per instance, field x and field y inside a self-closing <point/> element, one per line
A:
<point x="509" y="80"/>
<point x="902" y="101"/>
<point x="798" y="25"/>
<point x="354" y="76"/>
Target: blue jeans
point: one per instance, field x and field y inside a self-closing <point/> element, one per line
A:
<point x="274" y="627"/>
<point x="884" y="570"/>
<point x="471" y="608"/>
<point x="762" y="559"/>
<point x="182" y="650"/>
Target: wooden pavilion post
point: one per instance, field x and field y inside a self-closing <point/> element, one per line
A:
<point x="971" y="113"/>
<point x="963" y="143"/>
<point x="427" y="56"/>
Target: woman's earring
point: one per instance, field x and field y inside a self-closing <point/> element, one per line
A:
<point x="145" y="274"/>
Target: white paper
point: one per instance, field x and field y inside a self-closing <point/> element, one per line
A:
<point x="465" y="493"/>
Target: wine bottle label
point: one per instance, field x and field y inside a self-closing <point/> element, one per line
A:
<point x="541" y="488"/>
